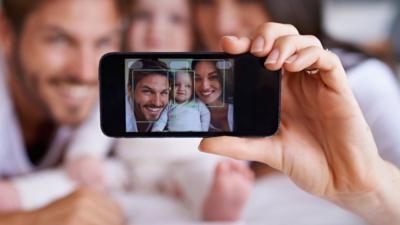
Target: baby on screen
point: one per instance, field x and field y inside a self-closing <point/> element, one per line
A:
<point x="184" y="112"/>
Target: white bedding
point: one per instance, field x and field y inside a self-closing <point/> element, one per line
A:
<point x="275" y="200"/>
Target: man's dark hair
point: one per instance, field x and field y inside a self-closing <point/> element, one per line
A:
<point x="17" y="11"/>
<point x="144" y="67"/>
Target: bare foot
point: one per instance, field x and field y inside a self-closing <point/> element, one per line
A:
<point x="231" y="188"/>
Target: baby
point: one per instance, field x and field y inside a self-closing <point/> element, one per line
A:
<point x="184" y="113"/>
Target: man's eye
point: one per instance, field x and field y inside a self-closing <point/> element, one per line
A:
<point x="57" y="39"/>
<point x="145" y="91"/>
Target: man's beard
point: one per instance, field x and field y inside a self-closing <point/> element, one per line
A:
<point x="28" y="87"/>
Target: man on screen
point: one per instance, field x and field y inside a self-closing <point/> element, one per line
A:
<point x="148" y="94"/>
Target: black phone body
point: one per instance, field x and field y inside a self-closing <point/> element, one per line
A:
<point x="197" y="94"/>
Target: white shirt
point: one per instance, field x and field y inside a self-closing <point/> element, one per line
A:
<point x="13" y="153"/>
<point x="189" y="116"/>
<point x="378" y="93"/>
<point x="16" y="165"/>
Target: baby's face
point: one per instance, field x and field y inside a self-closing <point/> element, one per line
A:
<point x="160" y="26"/>
<point x="183" y="87"/>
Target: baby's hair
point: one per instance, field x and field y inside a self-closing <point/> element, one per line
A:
<point x="189" y="73"/>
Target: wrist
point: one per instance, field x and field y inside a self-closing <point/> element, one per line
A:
<point x="381" y="205"/>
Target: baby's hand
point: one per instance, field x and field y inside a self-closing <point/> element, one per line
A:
<point x="88" y="171"/>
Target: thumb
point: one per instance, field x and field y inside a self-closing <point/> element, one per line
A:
<point x="234" y="45"/>
<point x="265" y="150"/>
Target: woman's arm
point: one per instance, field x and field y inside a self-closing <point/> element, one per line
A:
<point x="324" y="143"/>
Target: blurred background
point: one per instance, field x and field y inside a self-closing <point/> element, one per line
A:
<point x="371" y="25"/>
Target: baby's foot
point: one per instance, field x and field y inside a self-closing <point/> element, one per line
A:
<point x="231" y="188"/>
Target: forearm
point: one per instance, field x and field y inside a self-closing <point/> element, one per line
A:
<point x="382" y="206"/>
<point x="19" y="218"/>
<point x="10" y="200"/>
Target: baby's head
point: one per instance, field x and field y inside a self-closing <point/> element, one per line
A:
<point x="160" y="26"/>
<point x="183" y="86"/>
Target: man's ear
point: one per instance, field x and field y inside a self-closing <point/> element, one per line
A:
<point x="7" y="35"/>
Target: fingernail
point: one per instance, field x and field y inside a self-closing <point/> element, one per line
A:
<point x="232" y="38"/>
<point x="291" y="59"/>
<point x="258" y="45"/>
<point x="273" y="57"/>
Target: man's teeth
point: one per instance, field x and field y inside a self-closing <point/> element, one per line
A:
<point x="153" y="109"/>
<point x="76" y="91"/>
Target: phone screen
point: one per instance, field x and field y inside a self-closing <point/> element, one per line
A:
<point x="179" y="95"/>
<point x="187" y="95"/>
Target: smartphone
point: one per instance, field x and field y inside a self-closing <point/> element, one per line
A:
<point x="188" y="95"/>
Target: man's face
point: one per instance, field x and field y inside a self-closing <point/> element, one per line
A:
<point x="59" y="49"/>
<point x="151" y="97"/>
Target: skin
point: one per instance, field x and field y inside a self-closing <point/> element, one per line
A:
<point x="338" y="160"/>
<point x="183" y="87"/>
<point x="52" y="65"/>
<point x="209" y="90"/>
<point x="160" y="25"/>
<point x="218" y="18"/>
<point x="154" y="18"/>
<point x="81" y="205"/>
<point x="151" y="97"/>
<point x="207" y="85"/>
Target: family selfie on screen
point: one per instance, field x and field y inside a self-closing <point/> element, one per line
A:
<point x="161" y="96"/>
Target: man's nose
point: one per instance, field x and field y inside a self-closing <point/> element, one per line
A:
<point x="156" y="100"/>
<point x="84" y="65"/>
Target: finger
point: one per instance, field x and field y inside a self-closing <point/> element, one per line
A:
<point x="265" y="36"/>
<point x="286" y="46"/>
<point x="234" y="45"/>
<point x="265" y="150"/>
<point x="331" y="69"/>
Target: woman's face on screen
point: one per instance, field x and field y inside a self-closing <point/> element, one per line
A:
<point x="208" y="86"/>
<point x="160" y="25"/>
<point x="217" y="18"/>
